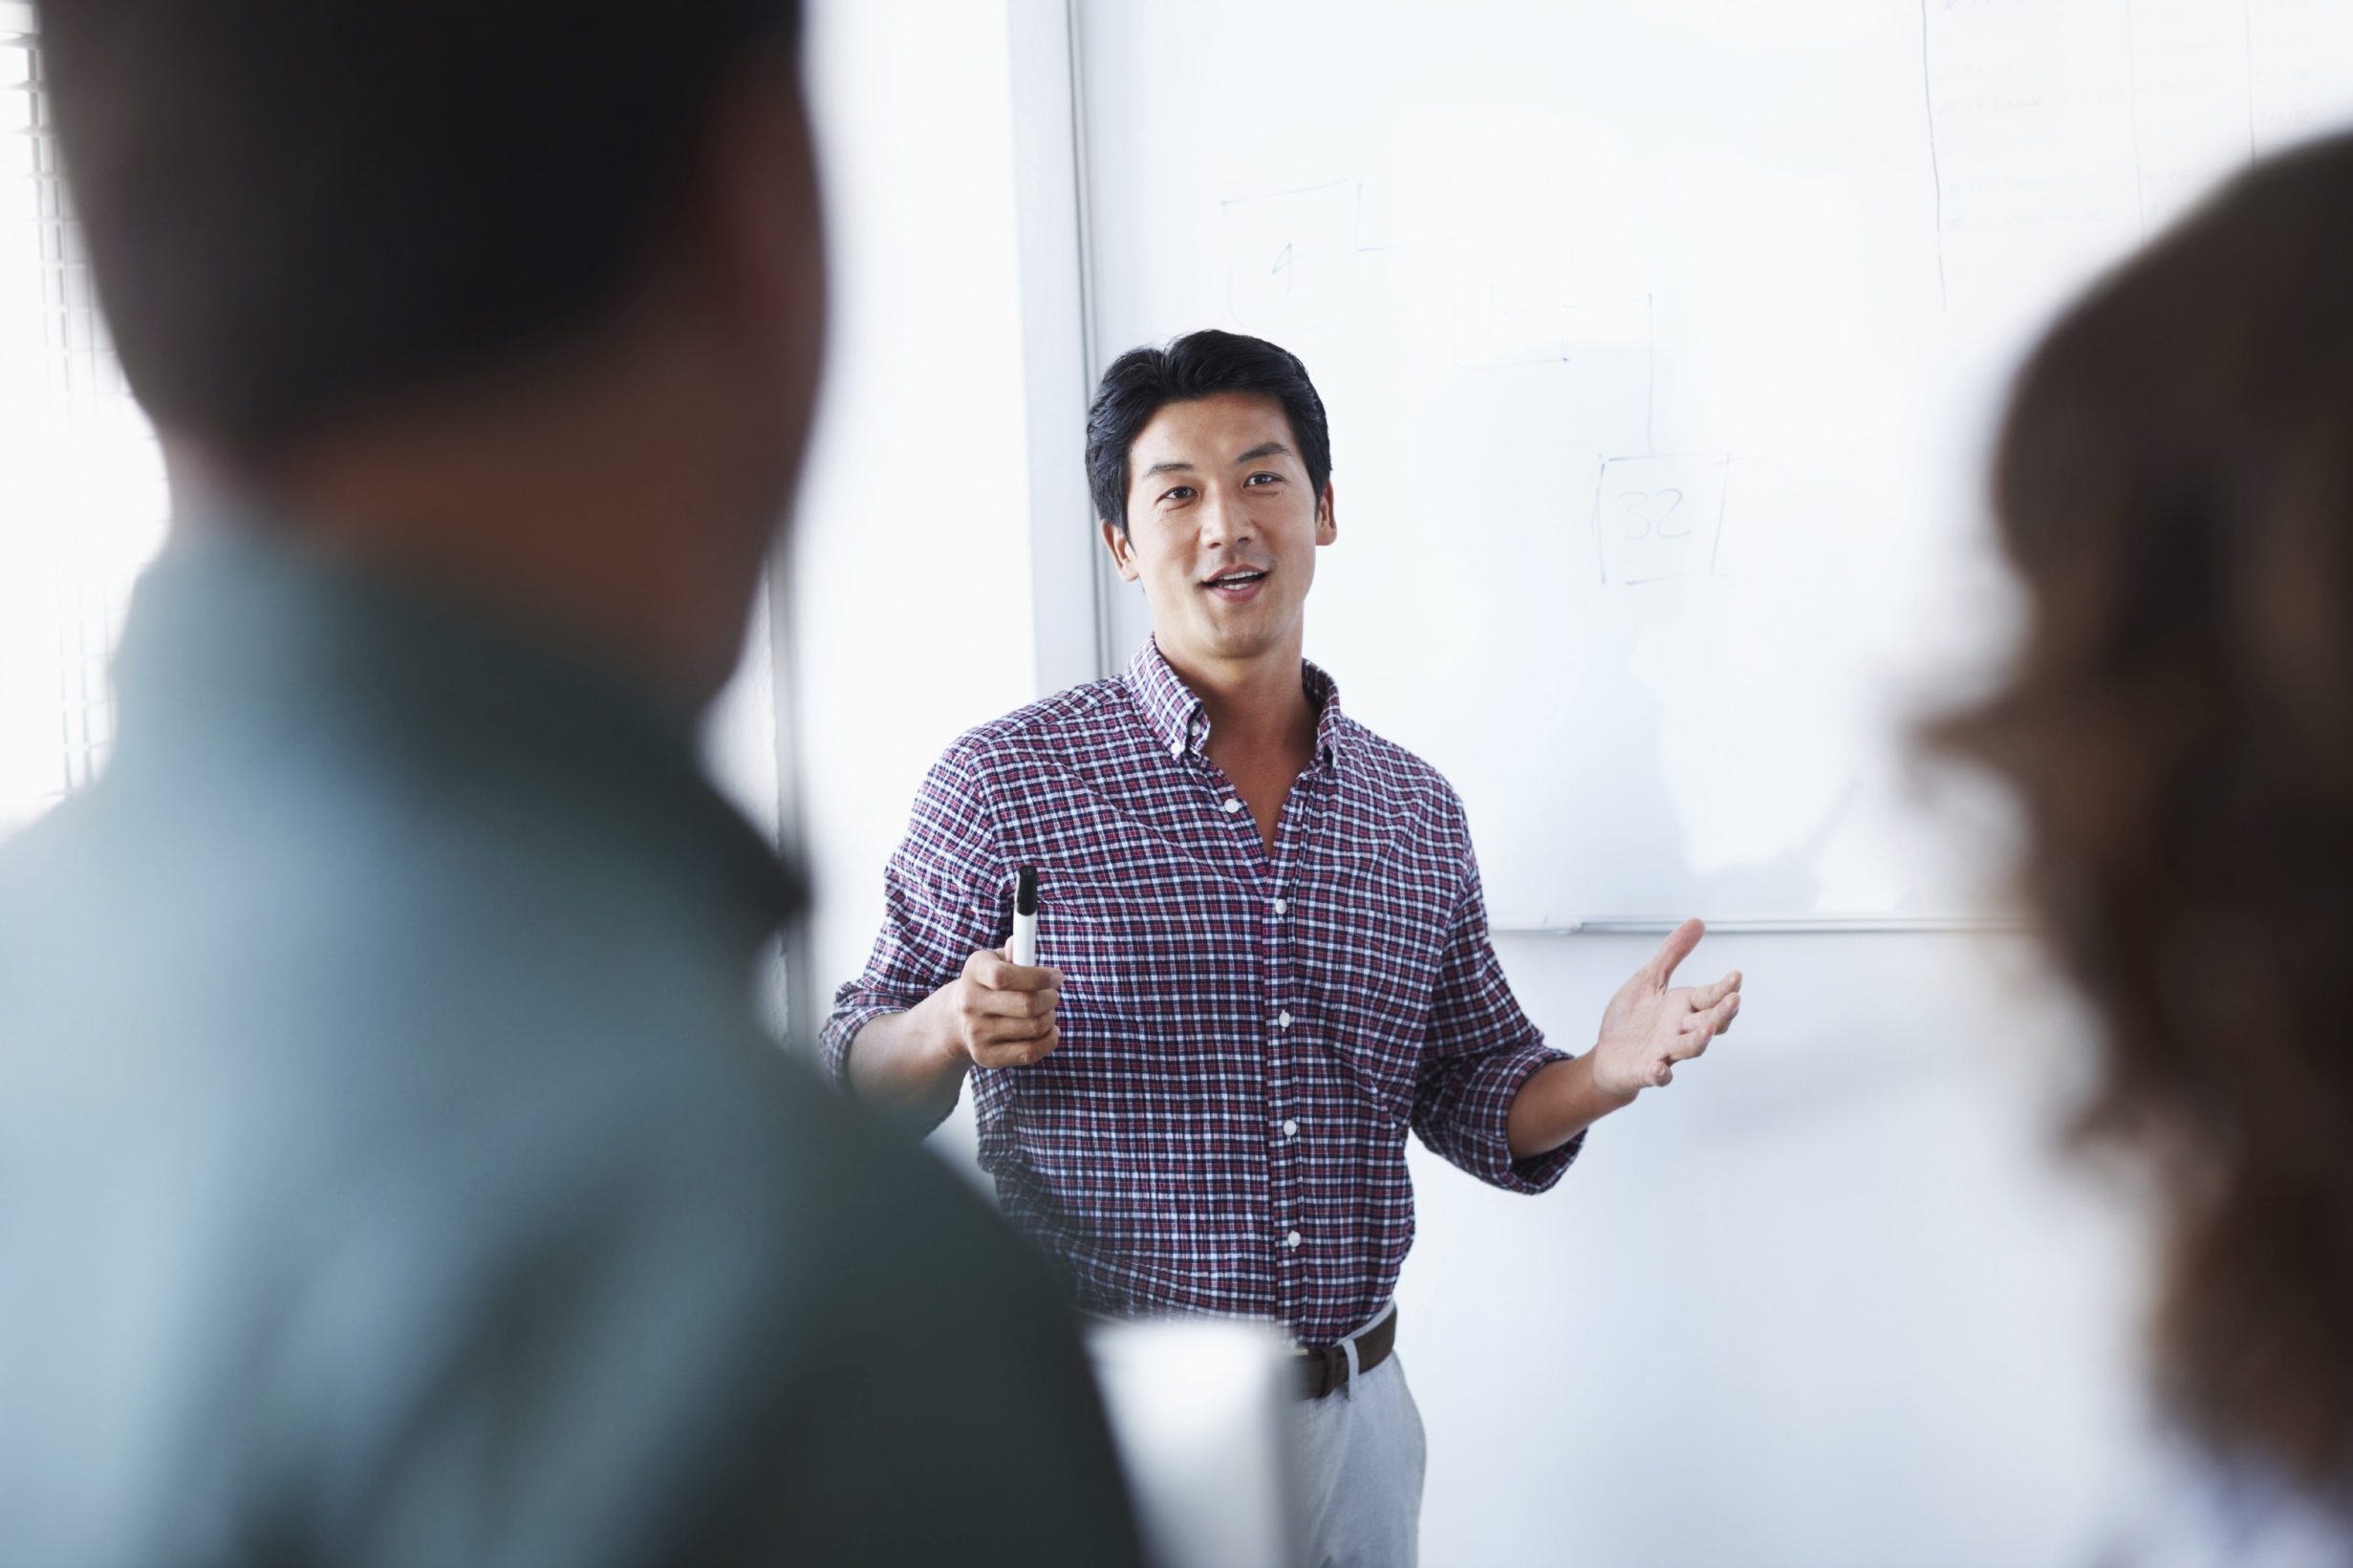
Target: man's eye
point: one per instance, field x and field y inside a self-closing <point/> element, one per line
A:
<point x="1182" y="492"/>
<point x="1272" y="479"/>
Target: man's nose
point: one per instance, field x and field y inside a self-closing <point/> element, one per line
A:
<point x="1225" y="523"/>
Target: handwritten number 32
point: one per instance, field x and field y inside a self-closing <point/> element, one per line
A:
<point x="1649" y="512"/>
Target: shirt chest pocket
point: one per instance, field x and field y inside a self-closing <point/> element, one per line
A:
<point x="1139" y="958"/>
<point x="1368" y="953"/>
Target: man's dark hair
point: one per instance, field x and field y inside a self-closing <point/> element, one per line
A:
<point x="301" y="211"/>
<point x="1143" y="381"/>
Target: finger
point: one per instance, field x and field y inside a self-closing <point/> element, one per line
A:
<point x="1662" y="1074"/>
<point x="994" y="972"/>
<point x="1677" y="948"/>
<point x="1009" y="1031"/>
<point x="1708" y="996"/>
<point x="1693" y="1042"/>
<point x="1013" y="1005"/>
<point x="1711" y="1020"/>
<point x="986" y="969"/>
<point x="1017" y="1054"/>
<point x="1014" y="977"/>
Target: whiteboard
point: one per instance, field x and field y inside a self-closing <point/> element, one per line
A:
<point x="1661" y="344"/>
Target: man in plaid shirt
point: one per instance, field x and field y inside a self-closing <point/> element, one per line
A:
<point x="1263" y="946"/>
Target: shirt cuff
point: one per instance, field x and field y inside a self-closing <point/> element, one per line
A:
<point x="833" y="1040"/>
<point x="1538" y="1172"/>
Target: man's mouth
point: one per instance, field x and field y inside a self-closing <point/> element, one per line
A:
<point x="1239" y="583"/>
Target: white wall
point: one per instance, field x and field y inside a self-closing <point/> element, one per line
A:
<point x="1826" y="1300"/>
<point x="910" y="605"/>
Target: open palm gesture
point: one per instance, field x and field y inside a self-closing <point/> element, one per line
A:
<point x="1652" y="1024"/>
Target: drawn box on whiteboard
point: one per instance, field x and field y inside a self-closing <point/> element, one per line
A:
<point x="1291" y="258"/>
<point x="1660" y="517"/>
<point x="1509" y="302"/>
<point x="1522" y="310"/>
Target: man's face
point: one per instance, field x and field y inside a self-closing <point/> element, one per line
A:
<point x="1223" y="529"/>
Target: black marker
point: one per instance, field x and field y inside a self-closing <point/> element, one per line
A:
<point x="1025" y="952"/>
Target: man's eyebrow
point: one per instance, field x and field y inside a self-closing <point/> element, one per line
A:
<point x="1266" y="450"/>
<point x="1170" y="468"/>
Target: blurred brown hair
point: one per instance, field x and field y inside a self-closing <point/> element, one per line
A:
<point x="2175" y="484"/>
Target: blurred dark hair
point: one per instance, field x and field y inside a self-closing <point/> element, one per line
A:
<point x="1143" y="381"/>
<point x="2175" y="484"/>
<point x="297" y="210"/>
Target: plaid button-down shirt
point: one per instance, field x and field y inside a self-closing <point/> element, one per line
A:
<point x="1245" y="1036"/>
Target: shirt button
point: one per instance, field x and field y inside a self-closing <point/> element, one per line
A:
<point x="1282" y="908"/>
<point x="1282" y="1020"/>
<point x="1176" y="749"/>
<point x="1290" y="1127"/>
<point x="1232" y="804"/>
<point x="1291" y="1240"/>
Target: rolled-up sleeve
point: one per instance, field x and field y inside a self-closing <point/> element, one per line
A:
<point x="1479" y="1049"/>
<point x="943" y="900"/>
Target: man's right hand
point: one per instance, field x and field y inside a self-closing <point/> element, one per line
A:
<point x="997" y="1012"/>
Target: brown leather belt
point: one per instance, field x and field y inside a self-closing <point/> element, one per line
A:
<point x="1324" y="1369"/>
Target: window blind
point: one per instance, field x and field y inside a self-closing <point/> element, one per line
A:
<point x="82" y="498"/>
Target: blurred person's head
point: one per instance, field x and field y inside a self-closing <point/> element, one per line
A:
<point x="2174" y="485"/>
<point x="1210" y="465"/>
<point x="522" y="294"/>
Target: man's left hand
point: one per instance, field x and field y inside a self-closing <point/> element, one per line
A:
<point x="1652" y="1024"/>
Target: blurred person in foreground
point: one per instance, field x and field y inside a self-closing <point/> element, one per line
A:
<point x="392" y="1169"/>
<point x="2174" y="485"/>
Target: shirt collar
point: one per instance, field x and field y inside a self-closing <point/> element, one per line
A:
<point x="1180" y="724"/>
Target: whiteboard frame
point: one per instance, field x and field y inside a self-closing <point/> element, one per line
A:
<point x="1057" y="290"/>
<point x="1762" y="925"/>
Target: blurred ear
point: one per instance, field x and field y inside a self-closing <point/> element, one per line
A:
<point x="1122" y="548"/>
<point x="759" y="230"/>
<point x="1327" y="523"/>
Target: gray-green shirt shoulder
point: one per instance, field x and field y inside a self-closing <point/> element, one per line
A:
<point x="392" y="1171"/>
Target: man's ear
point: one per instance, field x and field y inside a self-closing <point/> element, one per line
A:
<point x="1122" y="548"/>
<point x="1327" y="523"/>
<point x="760" y="231"/>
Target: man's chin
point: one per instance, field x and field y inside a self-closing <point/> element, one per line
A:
<point x="1235" y="644"/>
